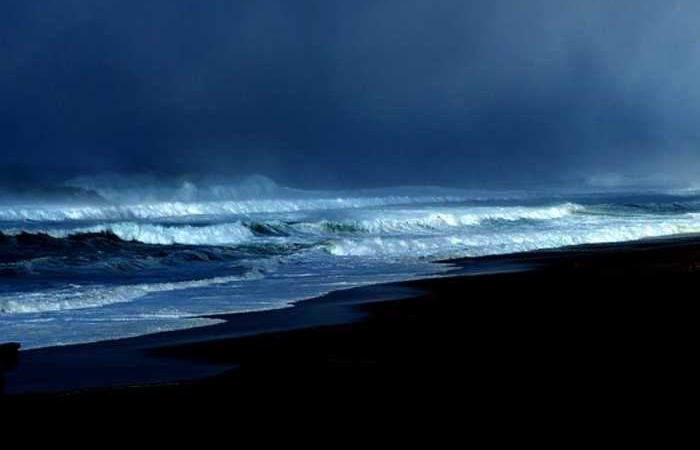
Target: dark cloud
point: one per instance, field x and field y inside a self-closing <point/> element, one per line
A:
<point x="332" y="93"/>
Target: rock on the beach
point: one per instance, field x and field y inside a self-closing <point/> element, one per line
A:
<point x="9" y="356"/>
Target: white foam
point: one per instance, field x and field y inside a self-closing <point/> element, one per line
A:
<point x="369" y="221"/>
<point x="428" y="221"/>
<point x="502" y="242"/>
<point x="221" y="234"/>
<point x="81" y="297"/>
<point x="169" y="210"/>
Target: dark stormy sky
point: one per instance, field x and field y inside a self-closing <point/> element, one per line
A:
<point x="351" y="93"/>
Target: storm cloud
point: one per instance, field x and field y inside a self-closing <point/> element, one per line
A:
<point x="362" y="93"/>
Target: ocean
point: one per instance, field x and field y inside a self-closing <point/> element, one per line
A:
<point x="114" y="259"/>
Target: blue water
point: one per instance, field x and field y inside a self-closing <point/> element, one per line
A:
<point x="138" y="259"/>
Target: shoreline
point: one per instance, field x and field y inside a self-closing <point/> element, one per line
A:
<point x="496" y="313"/>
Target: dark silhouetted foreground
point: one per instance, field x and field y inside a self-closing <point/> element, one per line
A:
<point x="572" y="328"/>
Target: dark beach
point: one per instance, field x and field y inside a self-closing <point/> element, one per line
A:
<point x="579" y="325"/>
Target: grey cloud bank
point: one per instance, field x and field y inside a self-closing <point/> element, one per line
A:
<point x="340" y="94"/>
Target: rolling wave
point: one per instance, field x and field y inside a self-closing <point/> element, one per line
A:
<point x="427" y="221"/>
<point x="106" y="257"/>
<point x="239" y="232"/>
<point x="91" y="296"/>
<point x="221" y="234"/>
<point x="169" y="210"/>
<point x="507" y="241"/>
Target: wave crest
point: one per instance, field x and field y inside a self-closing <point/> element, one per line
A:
<point x="82" y="297"/>
<point x="169" y="210"/>
<point x="420" y="222"/>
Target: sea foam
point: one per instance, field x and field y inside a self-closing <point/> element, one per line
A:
<point x="91" y="296"/>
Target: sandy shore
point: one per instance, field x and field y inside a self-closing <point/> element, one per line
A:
<point x="582" y="325"/>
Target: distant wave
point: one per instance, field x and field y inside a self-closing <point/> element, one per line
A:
<point x="166" y="210"/>
<point x="631" y="208"/>
<point x="248" y="231"/>
<point x="139" y="188"/>
<point x="507" y="241"/>
<point x="419" y="222"/>
<point x="57" y="194"/>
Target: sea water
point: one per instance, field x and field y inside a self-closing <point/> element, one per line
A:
<point x="133" y="260"/>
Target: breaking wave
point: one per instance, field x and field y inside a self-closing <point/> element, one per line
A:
<point x="426" y="221"/>
<point x="169" y="210"/>
<point x="81" y="297"/>
<point x="222" y="234"/>
<point x="248" y="231"/>
<point x="483" y="244"/>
